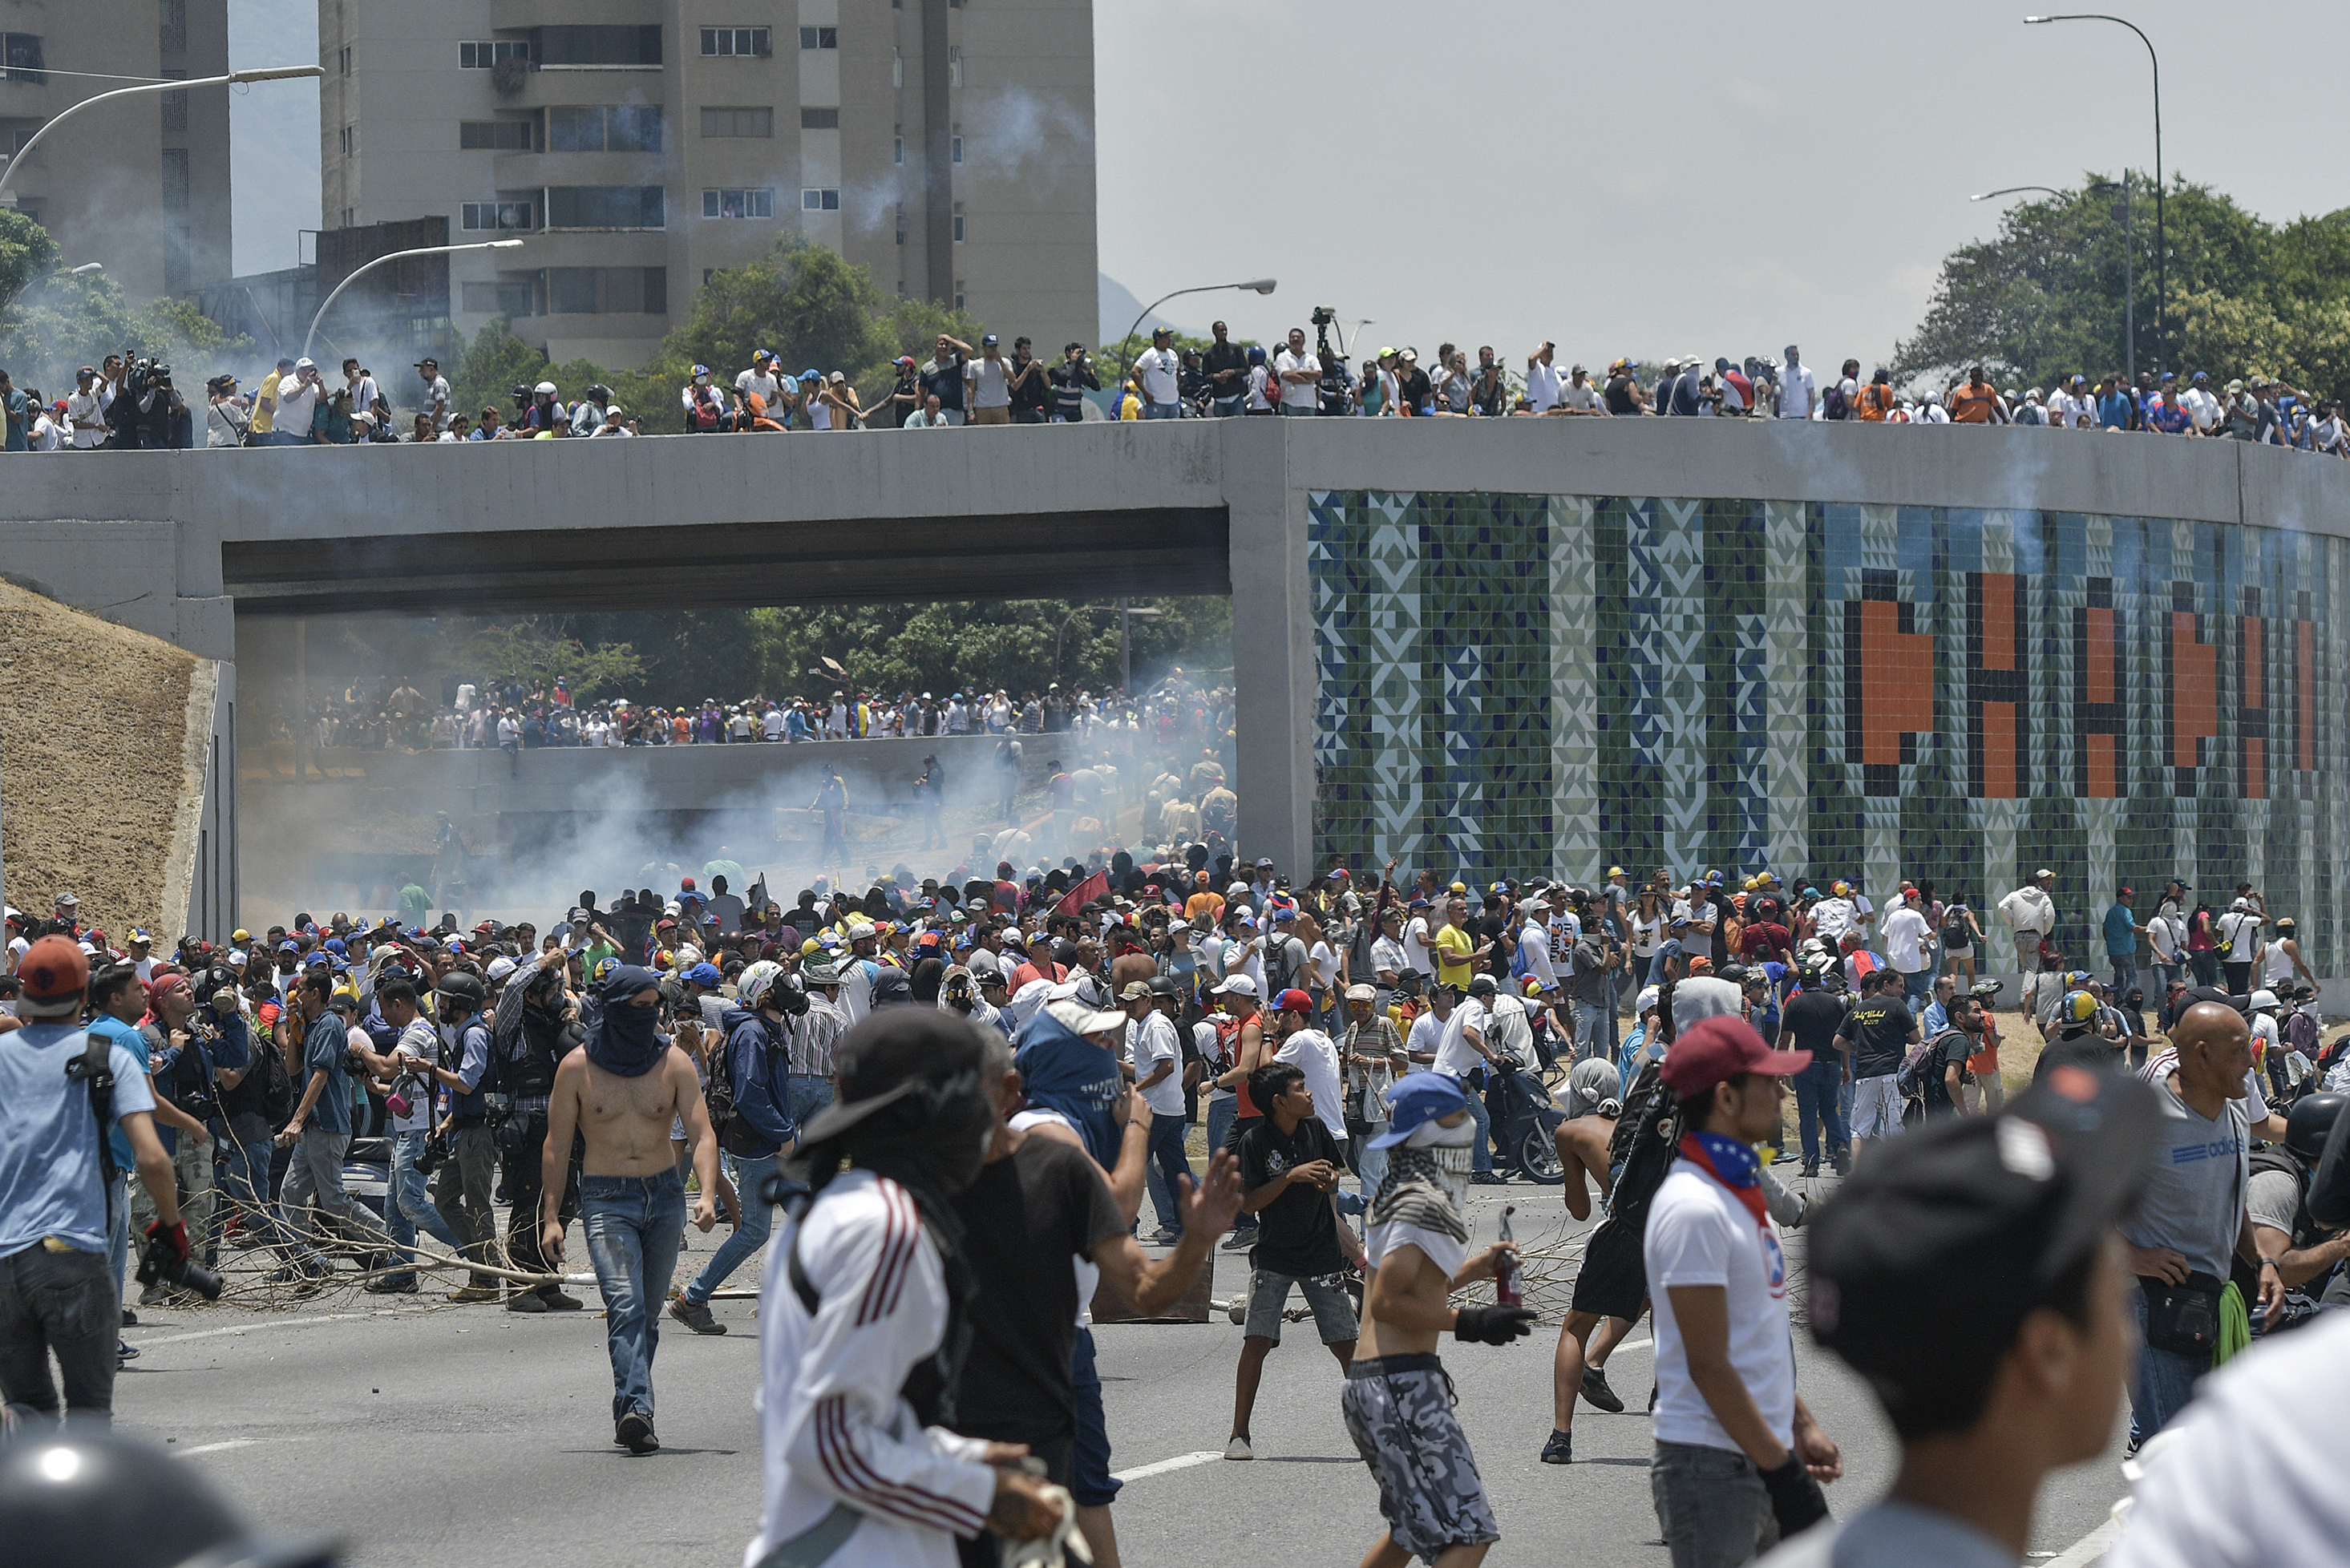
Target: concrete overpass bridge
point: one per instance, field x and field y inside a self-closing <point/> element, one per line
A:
<point x="1515" y="645"/>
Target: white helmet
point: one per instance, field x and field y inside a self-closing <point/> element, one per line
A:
<point x="545" y="388"/>
<point x="2264" y="998"/>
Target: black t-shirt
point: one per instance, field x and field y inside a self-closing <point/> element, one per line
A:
<point x="1879" y="1030"/>
<point x="1490" y="930"/>
<point x="944" y="376"/>
<point x="1617" y="395"/>
<point x="1952" y="1049"/>
<point x="1297" y="1232"/>
<point x="1811" y="1022"/>
<point x="1032" y="391"/>
<point x="1026" y="1220"/>
<point x="1229" y="357"/>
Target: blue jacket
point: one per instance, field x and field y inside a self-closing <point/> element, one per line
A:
<point x="1062" y="1071"/>
<point x="754" y="1061"/>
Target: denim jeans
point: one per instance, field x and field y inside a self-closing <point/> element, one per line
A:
<point x="1167" y="1162"/>
<point x="1222" y="1113"/>
<point x="2165" y="1380"/>
<point x="411" y="1210"/>
<point x="1591" y="1030"/>
<point x="1370" y="1164"/>
<point x="245" y="1179"/>
<point x="2124" y="975"/>
<point x="758" y="1218"/>
<point x="1712" y="1505"/>
<point x="314" y="1190"/>
<point x="117" y="1232"/>
<point x="58" y="1302"/>
<point x="1918" y="986"/>
<point x="1817" y="1102"/>
<point x="1481" y="1160"/>
<point x="633" y="1225"/>
<point x="1162" y="410"/>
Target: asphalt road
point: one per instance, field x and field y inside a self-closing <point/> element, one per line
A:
<point x="432" y="1434"/>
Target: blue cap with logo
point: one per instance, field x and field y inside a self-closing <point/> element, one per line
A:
<point x="1417" y="1098"/>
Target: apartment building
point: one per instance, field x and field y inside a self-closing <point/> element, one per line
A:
<point x="140" y="185"/>
<point x="638" y="145"/>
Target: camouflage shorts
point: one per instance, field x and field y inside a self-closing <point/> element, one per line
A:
<point x="1398" y="1410"/>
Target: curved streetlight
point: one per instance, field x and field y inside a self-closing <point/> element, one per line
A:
<point x="2161" y="255"/>
<point x="1126" y="363"/>
<point x="2013" y="190"/>
<point x="274" y="73"/>
<point x="393" y="257"/>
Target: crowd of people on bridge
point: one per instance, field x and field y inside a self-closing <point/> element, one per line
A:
<point x="1314" y="1070"/>
<point x="124" y="404"/>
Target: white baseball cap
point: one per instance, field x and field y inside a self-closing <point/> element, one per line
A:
<point x="1236" y="985"/>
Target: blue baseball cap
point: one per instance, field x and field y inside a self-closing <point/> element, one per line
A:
<point x="706" y="974"/>
<point x="1417" y="1098"/>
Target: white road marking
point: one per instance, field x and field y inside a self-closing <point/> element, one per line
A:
<point x="263" y="1326"/>
<point x="2089" y="1548"/>
<point x="1179" y="1462"/>
<point x="217" y="1448"/>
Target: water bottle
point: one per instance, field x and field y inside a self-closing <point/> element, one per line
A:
<point x="1509" y="1287"/>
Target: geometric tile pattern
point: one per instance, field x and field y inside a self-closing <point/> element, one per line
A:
<point x="1514" y="685"/>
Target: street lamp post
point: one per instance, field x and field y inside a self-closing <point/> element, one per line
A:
<point x="2161" y="244"/>
<point x="360" y="272"/>
<point x="2011" y="189"/>
<point x="275" y="73"/>
<point x="1260" y="285"/>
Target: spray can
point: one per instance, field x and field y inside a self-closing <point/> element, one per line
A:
<point x="1509" y="1287"/>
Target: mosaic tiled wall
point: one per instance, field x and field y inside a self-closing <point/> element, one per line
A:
<point x="1527" y="684"/>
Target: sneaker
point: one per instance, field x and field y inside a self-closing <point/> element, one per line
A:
<point x="152" y="1296"/>
<point x="1238" y="1448"/>
<point x="306" y="1285"/>
<point x="124" y="1352"/>
<point x="558" y="1301"/>
<point x="694" y="1314"/>
<point x="526" y="1301"/>
<point x="388" y="1286"/>
<point x="1162" y="1237"/>
<point x="1560" y="1449"/>
<point x="634" y="1433"/>
<point x="1811" y="1172"/>
<point x="1240" y="1241"/>
<point x="1488" y="1178"/>
<point x="1597" y="1392"/>
<point x="130" y="1318"/>
<point x="464" y="1295"/>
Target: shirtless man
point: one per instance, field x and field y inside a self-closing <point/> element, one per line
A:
<point x="1577" y="1367"/>
<point x="1397" y="1401"/>
<point x="622" y="1089"/>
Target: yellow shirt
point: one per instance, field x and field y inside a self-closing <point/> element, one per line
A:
<point x="265" y="405"/>
<point x="1453" y="947"/>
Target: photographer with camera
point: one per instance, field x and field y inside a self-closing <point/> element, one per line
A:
<point x="462" y="1187"/>
<point x="533" y="1027"/>
<point x="408" y="1066"/>
<point x="179" y="1038"/>
<point x="320" y="1132"/>
<point x="57" y="1293"/>
<point x="164" y="420"/>
<point x="1072" y="378"/>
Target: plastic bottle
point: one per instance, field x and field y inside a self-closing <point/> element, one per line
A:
<point x="1509" y="1287"/>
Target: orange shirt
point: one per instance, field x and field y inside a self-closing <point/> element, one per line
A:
<point x="1973" y="405"/>
<point x="1876" y="400"/>
<point x="1211" y="904"/>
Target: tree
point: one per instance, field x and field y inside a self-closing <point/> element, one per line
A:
<point x="541" y="648"/>
<point x="27" y="251"/>
<point x="2045" y="298"/>
<point x="487" y="370"/>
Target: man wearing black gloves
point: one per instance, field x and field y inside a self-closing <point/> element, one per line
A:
<point x="1738" y="1458"/>
<point x="1397" y="1401"/>
<point x="534" y="1028"/>
<point x="1993" y="1243"/>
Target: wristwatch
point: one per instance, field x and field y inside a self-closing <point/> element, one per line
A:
<point x="2276" y="1264"/>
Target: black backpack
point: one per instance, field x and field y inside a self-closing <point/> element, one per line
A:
<point x="1955" y="932"/>
<point x="1644" y="1146"/>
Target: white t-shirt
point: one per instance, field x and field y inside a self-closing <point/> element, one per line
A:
<point x="1415" y="945"/>
<point x="1585" y="398"/>
<point x="1154" y="1042"/>
<point x="1698" y="1234"/>
<point x="296" y="402"/>
<point x="2239" y="937"/>
<point x="1534" y="942"/>
<point x="1317" y="1058"/>
<point x="1905" y="937"/>
<point x="1542" y="386"/>
<point x="1427" y="1037"/>
<point x="1796" y="398"/>
<point x="1157" y="368"/>
<point x="1298" y="394"/>
<point x="1454" y="1055"/>
<point x="751" y="381"/>
<point x="422" y="1040"/>
<point x="991" y="387"/>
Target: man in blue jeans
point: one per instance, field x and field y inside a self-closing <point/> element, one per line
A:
<point x="620" y="1091"/>
<point x="758" y="1137"/>
<point x="408" y="1066"/>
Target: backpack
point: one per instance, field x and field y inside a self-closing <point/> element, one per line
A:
<point x="1644" y="1146"/>
<point x="1955" y="932"/>
<point x="1918" y="1070"/>
<point x="95" y="1068"/>
<point x="1834" y="405"/>
<point x="277" y="1097"/>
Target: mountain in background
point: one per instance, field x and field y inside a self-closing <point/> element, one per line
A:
<point x="273" y="134"/>
<point x="1119" y="308"/>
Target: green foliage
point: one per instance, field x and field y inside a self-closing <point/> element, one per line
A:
<point x="2045" y="298"/>
<point x="27" y="251"/>
<point x="485" y="370"/>
<point x="539" y="649"/>
<point x="50" y="323"/>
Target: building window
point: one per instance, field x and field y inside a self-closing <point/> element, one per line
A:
<point x="351" y="218"/>
<point x="957" y="228"/>
<point x="815" y="200"/>
<point x="958" y="303"/>
<point x="175" y="179"/>
<point x="732" y="42"/>
<point x="503" y="214"/>
<point x="594" y="127"/>
<point x="738" y="203"/>
<point x="493" y="136"/>
<point x="482" y="56"/>
<point x="897" y="68"/>
<point x="896" y="149"/>
<point x="819" y="37"/>
<point x="22" y="51"/>
<point x="175" y="107"/>
<point x="343" y="61"/>
<point x="607" y="291"/>
<point x="351" y="140"/>
<point x="735" y="122"/>
<point x="503" y="297"/>
<point x="174" y="29"/>
<point x="820" y="119"/>
<point x="605" y="207"/>
<point x="904" y="227"/>
<point x="954" y="67"/>
<point x="636" y="46"/>
<point x="958" y="150"/>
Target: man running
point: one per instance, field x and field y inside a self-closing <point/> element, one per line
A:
<point x="1397" y="1401"/>
<point x="621" y="1091"/>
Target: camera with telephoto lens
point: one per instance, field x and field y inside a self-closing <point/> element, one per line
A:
<point x="162" y="1264"/>
<point x="433" y="1155"/>
<point x="1323" y="315"/>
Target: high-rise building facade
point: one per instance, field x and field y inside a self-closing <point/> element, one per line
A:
<point x="638" y="145"/>
<point x="141" y="184"/>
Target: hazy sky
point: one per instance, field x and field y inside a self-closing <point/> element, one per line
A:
<point x="1648" y="179"/>
<point x="1710" y="178"/>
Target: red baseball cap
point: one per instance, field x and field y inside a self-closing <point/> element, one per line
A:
<point x="1294" y="1001"/>
<point x="1716" y="1049"/>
